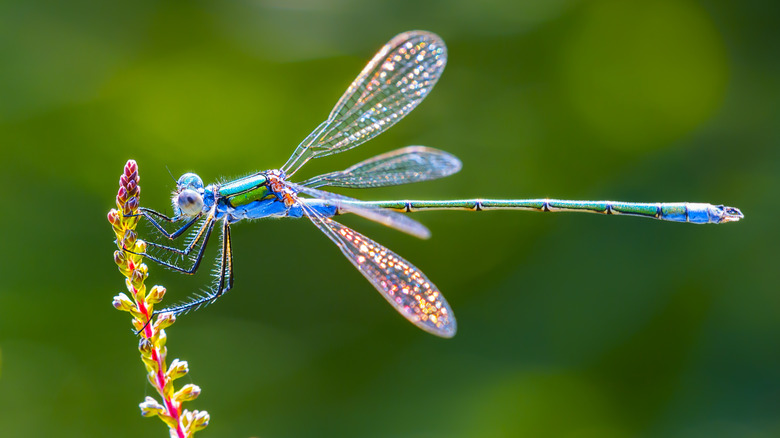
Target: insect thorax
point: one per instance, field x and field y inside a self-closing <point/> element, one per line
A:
<point x="245" y="190"/>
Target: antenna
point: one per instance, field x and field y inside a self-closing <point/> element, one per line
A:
<point x="170" y="173"/>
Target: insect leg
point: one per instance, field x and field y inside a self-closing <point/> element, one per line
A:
<point x="224" y="281"/>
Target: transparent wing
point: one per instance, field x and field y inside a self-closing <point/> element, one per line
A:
<point x="401" y="166"/>
<point x="396" y="79"/>
<point x="403" y="285"/>
<point x="385" y="217"/>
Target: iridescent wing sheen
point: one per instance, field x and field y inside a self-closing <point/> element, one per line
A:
<point x="401" y="166"/>
<point x="403" y="285"/>
<point x="346" y="204"/>
<point x="396" y="79"/>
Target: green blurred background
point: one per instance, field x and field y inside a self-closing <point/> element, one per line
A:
<point x="569" y="325"/>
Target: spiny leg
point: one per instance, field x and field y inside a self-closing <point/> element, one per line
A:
<point x="186" y="251"/>
<point x="144" y="211"/>
<point x="148" y="213"/>
<point x="205" y="232"/>
<point x="224" y="281"/>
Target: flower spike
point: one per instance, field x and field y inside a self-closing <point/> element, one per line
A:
<point x="139" y="303"/>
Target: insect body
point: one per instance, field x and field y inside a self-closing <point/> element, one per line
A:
<point x="393" y="83"/>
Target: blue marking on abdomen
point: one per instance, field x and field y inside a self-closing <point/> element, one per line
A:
<point x="321" y="208"/>
<point x="698" y="213"/>
<point x="273" y="208"/>
<point x="258" y="210"/>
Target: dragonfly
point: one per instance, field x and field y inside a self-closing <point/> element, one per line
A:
<point x="391" y="85"/>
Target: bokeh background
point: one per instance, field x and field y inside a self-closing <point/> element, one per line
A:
<point x="569" y="325"/>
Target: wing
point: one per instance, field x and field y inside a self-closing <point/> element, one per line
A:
<point x="393" y="83"/>
<point x="409" y="291"/>
<point x="402" y="166"/>
<point x="346" y="204"/>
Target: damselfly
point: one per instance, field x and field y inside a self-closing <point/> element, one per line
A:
<point x="393" y="83"/>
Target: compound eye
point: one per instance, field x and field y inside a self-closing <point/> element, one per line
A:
<point x="190" y="202"/>
<point x="189" y="181"/>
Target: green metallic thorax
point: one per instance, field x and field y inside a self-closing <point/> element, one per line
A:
<point x="245" y="190"/>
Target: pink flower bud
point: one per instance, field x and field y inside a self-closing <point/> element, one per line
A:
<point x="132" y="204"/>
